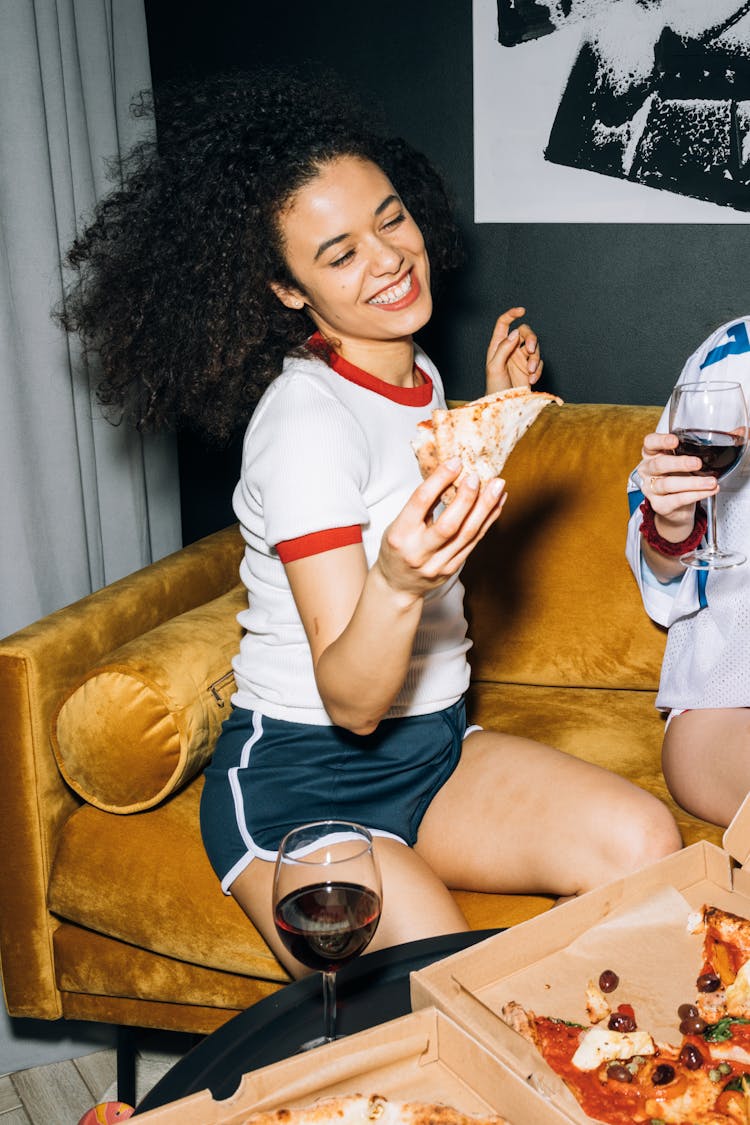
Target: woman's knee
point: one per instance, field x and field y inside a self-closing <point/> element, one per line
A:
<point x="646" y="833"/>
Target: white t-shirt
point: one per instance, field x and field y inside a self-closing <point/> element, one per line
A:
<point x="328" y="450"/>
<point x="707" y="657"/>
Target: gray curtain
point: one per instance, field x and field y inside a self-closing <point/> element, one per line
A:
<point x="82" y="502"/>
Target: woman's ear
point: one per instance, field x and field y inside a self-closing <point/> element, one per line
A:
<point x="292" y="298"/>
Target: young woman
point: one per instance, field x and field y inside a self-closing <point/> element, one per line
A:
<point x="705" y="678"/>
<point x="275" y="243"/>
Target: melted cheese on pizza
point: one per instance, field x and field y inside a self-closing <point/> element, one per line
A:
<point x="599" y="1045"/>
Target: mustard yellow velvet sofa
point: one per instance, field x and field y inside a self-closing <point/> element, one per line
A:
<point x="109" y="708"/>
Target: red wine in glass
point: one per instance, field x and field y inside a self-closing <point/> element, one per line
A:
<point x="710" y="420"/>
<point x="324" y="926"/>
<point x="718" y="450"/>
<point x="326" y="901"/>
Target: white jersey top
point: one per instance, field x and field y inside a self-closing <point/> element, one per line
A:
<point x="328" y="450"/>
<point x="707" y="657"/>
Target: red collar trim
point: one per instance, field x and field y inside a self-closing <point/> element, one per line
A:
<point x="405" y="396"/>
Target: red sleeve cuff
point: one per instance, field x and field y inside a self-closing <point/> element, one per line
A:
<point x="317" y="542"/>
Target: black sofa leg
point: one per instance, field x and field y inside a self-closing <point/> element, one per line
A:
<point x="126" y="1055"/>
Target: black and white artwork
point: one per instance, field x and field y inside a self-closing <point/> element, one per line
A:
<point x="612" y="110"/>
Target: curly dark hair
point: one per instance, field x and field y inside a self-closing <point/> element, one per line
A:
<point x="171" y="278"/>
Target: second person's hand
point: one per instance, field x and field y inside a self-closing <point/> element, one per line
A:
<point x="672" y="484"/>
<point x="513" y="358"/>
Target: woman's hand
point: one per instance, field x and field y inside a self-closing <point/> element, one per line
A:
<point x="668" y="483"/>
<point x="513" y="354"/>
<point x="419" y="552"/>
<point x="361" y="624"/>
<point x="671" y="489"/>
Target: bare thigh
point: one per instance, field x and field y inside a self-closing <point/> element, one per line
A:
<point x="706" y="761"/>
<point x="416" y="903"/>
<point x="517" y="816"/>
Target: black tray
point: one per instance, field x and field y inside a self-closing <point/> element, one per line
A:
<point x="371" y="990"/>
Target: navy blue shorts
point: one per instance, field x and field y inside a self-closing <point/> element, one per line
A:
<point x="268" y="776"/>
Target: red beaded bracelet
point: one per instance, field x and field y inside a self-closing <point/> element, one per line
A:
<point x="663" y="546"/>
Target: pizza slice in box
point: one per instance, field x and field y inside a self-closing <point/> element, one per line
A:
<point x="483" y="433"/>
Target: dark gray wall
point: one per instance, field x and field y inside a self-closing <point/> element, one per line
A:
<point x="618" y="307"/>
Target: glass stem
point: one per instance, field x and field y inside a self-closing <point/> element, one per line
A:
<point x="329" y="1006"/>
<point x="711" y="525"/>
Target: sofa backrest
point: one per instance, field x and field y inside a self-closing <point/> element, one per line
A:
<point x="550" y="597"/>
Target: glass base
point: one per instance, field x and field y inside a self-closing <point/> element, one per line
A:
<point x="712" y="560"/>
<point x="319" y="1042"/>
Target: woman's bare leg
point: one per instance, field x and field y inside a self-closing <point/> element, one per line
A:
<point x="517" y="816"/>
<point x="706" y="761"/>
<point x="416" y="904"/>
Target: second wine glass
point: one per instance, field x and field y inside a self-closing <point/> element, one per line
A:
<point x="710" y="422"/>
<point x="327" y="901"/>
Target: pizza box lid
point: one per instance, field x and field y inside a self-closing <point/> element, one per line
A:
<point x="736" y="839"/>
<point x="424" y="1056"/>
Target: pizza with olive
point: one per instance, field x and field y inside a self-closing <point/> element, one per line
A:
<point x="621" y="1076"/>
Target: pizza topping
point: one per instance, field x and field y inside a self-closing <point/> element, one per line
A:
<point x="738" y="992"/>
<point x="663" y="1073"/>
<point x="623" y="1019"/>
<point x="596" y="1004"/>
<point x="691" y="1057"/>
<point x="708" y="982"/>
<point x="721" y="1031"/>
<point x="599" y="1045"/>
<point x="619" y="1073"/>
<point x="608" y="980"/>
<point x="692" y="1025"/>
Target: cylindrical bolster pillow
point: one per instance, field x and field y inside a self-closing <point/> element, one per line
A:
<point x="140" y="726"/>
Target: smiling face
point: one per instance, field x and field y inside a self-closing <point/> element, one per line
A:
<point x="358" y="257"/>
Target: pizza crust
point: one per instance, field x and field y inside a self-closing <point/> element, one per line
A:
<point x="362" y="1109"/>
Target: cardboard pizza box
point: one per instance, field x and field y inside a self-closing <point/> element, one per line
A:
<point x="424" y="1056"/>
<point x="636" y="926"/>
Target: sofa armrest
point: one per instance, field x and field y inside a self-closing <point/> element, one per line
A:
<point x="38" y="666"/>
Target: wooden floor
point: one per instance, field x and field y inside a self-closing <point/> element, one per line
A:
<point x="60" y="1093"/>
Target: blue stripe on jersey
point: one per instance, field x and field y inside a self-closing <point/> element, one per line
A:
<point x="702" y="596"/>
<point x="738" y="345"/>
<point x="635" y="499"/>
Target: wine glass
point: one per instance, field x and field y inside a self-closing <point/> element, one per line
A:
<point x="326" y="901"/>
<point x="710" y="421"/>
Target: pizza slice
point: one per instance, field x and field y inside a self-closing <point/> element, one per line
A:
<point x="623" y="1077"/>
<point x="362" y="1109"/>
<point x="723" y="985"/>
<point x="482" y="433"/>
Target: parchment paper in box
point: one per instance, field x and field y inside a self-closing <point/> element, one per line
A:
<point x="420" y="1057"/>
